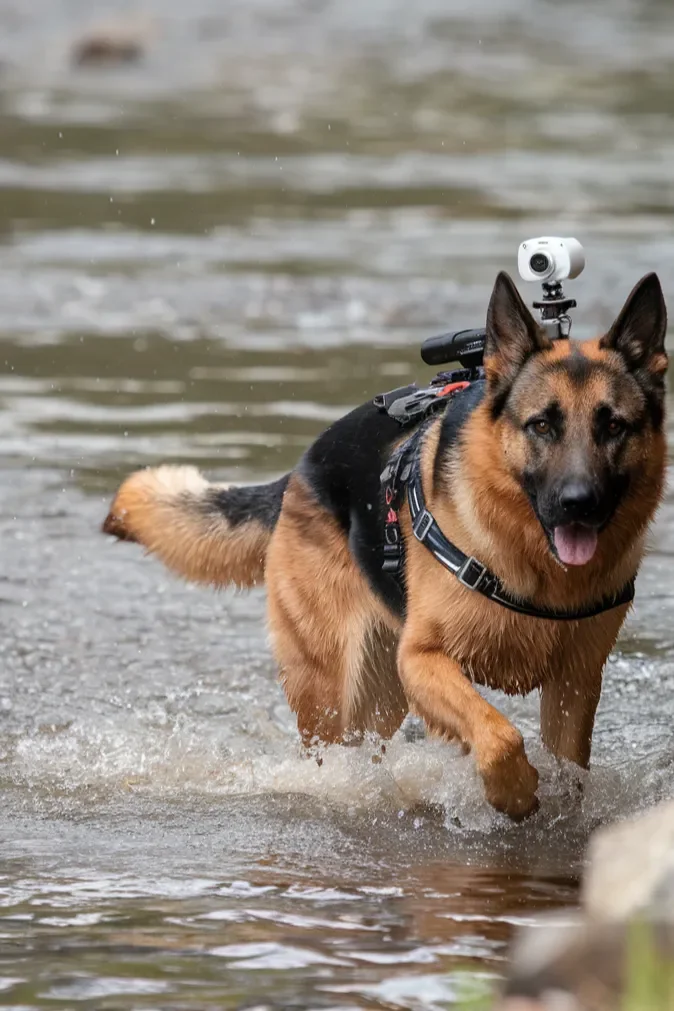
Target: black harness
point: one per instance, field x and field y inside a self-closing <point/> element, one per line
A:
<point x="403" y="476"/>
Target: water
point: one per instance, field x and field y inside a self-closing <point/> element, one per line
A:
<point x="208" y="256"/>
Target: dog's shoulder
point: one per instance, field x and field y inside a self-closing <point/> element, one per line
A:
<point x="459" y="409"/>
<point x="343" y="466"/>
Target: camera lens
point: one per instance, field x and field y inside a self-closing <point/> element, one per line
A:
<point x="539" y="263"/>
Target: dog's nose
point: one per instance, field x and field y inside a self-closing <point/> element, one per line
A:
<point x="578" y="499"/>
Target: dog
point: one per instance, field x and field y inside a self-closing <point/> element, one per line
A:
<point x="551" y="483"/>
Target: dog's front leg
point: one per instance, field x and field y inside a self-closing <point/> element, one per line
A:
<point x="440" y="693"/>
<point x="568" y="707"/>
<point x="570" y="696"/>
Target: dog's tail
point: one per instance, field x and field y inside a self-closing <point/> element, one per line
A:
<point x="207" y="533"/>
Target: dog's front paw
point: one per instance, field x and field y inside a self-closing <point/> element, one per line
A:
<point x="511" y="782"/>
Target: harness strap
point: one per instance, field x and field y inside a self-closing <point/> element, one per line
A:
<point x="394" y="480"/>
<point x="473" y="574"/>
<point x="409" y="405"/>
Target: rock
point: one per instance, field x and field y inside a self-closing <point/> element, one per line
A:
<point x="623" y="939"/>
<point x="631" y="868"/>
<point x="522" y="1004"/>
<point x="554" y="1001"/>
<point x="581" y="965"/>
<point x="112" y="44"/>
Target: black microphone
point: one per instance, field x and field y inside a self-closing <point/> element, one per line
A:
<point x="464" y="346"/>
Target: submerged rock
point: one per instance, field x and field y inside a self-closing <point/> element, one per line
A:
<point x="111" y="44"/>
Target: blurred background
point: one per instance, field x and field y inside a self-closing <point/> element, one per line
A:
<point x="222" y="224"/>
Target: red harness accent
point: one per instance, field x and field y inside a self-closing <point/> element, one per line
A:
<point x="452" y="388"/>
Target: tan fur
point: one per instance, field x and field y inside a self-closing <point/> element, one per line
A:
<point x="165" y="509"/>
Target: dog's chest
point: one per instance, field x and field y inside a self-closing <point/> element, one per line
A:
<point x="518" y="658"/>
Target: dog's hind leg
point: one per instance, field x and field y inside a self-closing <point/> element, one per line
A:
<point x="335" y="644"/>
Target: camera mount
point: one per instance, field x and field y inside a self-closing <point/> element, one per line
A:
<point x="554" y="309"/>
<point x="549" y="260"/>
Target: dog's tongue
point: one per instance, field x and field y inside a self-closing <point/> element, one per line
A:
<point x="575" y="543"/>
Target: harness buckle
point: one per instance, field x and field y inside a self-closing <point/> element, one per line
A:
<point x="392" y="554"/>
<point x="422" y="524"/>
<point x="471" y="573"/>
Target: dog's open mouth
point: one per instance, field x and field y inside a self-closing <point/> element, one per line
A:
<point x="575" y="543"/>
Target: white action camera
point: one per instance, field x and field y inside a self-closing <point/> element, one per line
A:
<point x="550" y="259"/>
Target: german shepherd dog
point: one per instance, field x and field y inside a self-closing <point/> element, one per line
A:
<point x="552" y="483"/>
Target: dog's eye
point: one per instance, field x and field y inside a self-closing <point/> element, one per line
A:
<point x="541" y="427"/>
<point x="615" y="427"/>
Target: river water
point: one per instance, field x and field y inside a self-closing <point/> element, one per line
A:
<point x="207" y="256"/>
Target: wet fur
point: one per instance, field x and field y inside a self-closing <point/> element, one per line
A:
<point x="351" y="658"/>
<point x="206" y="533"/>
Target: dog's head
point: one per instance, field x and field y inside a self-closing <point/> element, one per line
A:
<point x="578" y="420"/>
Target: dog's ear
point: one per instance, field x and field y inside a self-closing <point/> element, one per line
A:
<point x="639" y="331"/>
<point x="513" y="335"/>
